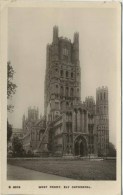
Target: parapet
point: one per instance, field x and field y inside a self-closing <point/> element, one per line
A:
<point x="102" y="94"/>
<point x="103" y="88"/>
<point x="48" y="45"/>
<point x="90" y="99"/>
<point x="76" y="34"/>
<point x="55" y="26"/>
<point x="76" y="37"/>
<point x="65" y="39"/>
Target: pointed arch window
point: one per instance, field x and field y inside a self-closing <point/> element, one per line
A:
<point x="67" y="91"/>
<point x="101" y="96"/>
<point x="65" y="51"/>
<point x="67" y="104"/>
<point x="77" y="91"/>
<point x="71" y="74"/>
<point x="62" y="91"/>
<point x="71" y="92"/>
<point x="57" y="89"/>
<point x="98" y="97"/>
<point x="61" y="72"/>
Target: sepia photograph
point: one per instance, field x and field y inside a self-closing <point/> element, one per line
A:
<point x="61" y="91"/>
<point x="62" y="113"/>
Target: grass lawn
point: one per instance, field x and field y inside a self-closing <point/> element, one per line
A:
<point x="76" y="169"/>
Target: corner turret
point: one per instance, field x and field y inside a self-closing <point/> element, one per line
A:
<point x="76" y="48"/>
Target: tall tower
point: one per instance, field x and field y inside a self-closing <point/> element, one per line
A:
<point x="63" y="75"/>
<point x="33" y="114"/>
<point x="102" y="120"/>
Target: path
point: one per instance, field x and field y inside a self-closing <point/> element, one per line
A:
<point x="20" y="173"/>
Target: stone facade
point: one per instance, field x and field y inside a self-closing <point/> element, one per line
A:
<point x="73" y="127"/>
<point x="74" y="133"/>
<point x="33" y="129"/>
<point x="63" y="75"/>
<point x="102" y="120"/>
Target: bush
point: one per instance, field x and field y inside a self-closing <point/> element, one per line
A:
<point x="112" y="150"/>
<point x="17" y="147"/>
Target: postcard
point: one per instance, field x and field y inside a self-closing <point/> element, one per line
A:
<point x="60" y="98"/>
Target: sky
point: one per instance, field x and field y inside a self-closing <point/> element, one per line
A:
<point x="31" y="29"/>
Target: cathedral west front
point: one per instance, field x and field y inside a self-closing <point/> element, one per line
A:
<point x="69" y="127"/>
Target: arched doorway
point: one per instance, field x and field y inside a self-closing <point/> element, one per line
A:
<point x="76" y="147"/>
<point x="80" y="146"/>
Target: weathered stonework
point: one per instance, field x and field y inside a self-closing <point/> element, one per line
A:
<point x="73" y="128"/>
<point x="33" y="130"/>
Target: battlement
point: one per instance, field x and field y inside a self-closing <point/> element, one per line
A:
<point x="90" y="98"/>
<point x="55" y="27"/>
<point x="48" y="45"/>
<point x="33" y="109"/>
<point x="65" y="39"/>
<point x="102" y="94"/>
<point x="103" y="88"/>
<point x="76" y="35"/>
<point x="90" y="104"/>
<point x="33" y="113"/>
<point x="102" y="100"/>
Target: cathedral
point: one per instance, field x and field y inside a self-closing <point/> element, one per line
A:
<point x="69" y="127"/>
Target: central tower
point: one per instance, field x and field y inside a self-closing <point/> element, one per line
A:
<point x="63" y="75"/>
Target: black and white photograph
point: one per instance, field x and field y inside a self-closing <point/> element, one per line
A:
<point x="63" y="91"/>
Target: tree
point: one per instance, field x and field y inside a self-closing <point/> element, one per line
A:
<point x="112" y="150"/>
<point x="100" y="153"/>
<point x="11" y="87"/>
<point x="17" y="147"/>
<point x="9" y="131"/>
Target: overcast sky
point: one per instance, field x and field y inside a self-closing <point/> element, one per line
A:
<point x="29" y="31"/>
